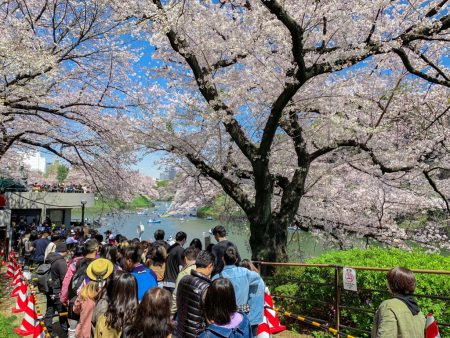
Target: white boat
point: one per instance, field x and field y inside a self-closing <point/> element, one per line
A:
<point x="151" y="220"/>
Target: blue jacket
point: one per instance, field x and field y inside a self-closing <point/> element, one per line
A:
<point x="243" y="330"/>
<point x="246" y="284"/>
<point x="145" y="279"/>
<point x="256" y="302"/>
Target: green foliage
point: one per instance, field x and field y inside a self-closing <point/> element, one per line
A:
<point x="7" y="325"/>
<point x="221" y="205"/>
<point x="140" y="202"/>
<point x="62" y="173"/>
<point x="162" y="184"/>
<point x="59" y="170"/>
<point x="311" y="290"/>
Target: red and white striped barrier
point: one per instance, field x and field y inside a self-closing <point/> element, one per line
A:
<point x="30" y="320"/>
<point x="22" y="299"/>
<point x="12" y="267"/>
<point x="17" y="277"/>
<point x="15" y="292"/>
<point x="39" y="331"/>
<point x="271" y="324"/>
<point x="431" y="330"/>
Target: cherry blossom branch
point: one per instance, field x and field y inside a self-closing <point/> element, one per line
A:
<point x="209" y="92"/>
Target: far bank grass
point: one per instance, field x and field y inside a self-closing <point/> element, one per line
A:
<point x="106" y="205"/>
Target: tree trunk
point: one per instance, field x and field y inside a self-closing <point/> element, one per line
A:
<point x="268" y="241"/>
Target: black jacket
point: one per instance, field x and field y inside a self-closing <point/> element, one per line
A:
<point x="173" y="262"/>
<point x="57" y="271"/>
<point x="190" y="295"/>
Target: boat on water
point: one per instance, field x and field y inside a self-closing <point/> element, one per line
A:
<point x="210" y="218"/>
<point x="151" y="220"/>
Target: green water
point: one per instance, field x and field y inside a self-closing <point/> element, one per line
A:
<point x="302" y="244"/>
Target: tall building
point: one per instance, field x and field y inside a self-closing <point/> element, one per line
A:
<point x="35" y="161"/>
<point x="168" y="174"/>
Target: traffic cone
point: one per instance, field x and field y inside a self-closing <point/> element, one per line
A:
<point x="432" y="330"/>
<point x="263" y="331"/>
<point x="40" y="331"/>
<point x="12" y="255"/>
<point x="16" y="278"/>
<point x="270" y="315"/>
<point x="10" y="271"/>
<point x="15" y="292"/>
<point x="30" y="320"/>
<point x="22" y="299"/>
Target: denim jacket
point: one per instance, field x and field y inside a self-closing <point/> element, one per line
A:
<point x="243" y="330"/>
<point x="247" y="286"/>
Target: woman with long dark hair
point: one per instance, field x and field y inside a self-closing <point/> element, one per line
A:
<point x="153" y="316"/>
<point x="221" y="312"/>
<point x="110" y="252"/>
<point x="122" y="307"/>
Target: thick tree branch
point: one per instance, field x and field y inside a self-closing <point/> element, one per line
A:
<point x="290" y="89"/>
<point x="352" y="143"/>
<point x="436" y="189"/>
<point x="406" y="62"/>
<point x="230" y="187"/>
<point x="293" y="129"/>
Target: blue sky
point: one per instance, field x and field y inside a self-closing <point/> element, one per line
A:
<point x="148" y="166"/>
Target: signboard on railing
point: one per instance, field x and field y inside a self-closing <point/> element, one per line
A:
<point x="349" y="279"/>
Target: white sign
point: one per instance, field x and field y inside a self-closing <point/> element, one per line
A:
<point x="349" y="279"/>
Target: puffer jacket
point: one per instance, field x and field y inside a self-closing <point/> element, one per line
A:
<point x="190" y="296"/>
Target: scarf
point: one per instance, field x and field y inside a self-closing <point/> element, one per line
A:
<point x="410" y="302"/>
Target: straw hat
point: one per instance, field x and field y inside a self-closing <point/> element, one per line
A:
<point x="100" y="269"/>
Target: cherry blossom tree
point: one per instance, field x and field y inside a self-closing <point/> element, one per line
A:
<point x="65" y="83"/>
<point x="330" y="114"/>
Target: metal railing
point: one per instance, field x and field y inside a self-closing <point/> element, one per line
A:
<point x="337" y="300"/>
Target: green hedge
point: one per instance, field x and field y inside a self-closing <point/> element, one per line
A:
<point x="372" y="288"/>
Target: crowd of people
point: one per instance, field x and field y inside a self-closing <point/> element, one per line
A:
<point x="60" y="187"/>
<point x="108" y="286"/>
<point x="113" y="287"/>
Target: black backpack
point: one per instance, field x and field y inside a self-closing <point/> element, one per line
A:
<point x="41" y="277"/>
<point x="77" y="279"/>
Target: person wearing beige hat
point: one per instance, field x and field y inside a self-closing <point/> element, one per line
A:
<point x="98" y="272"/>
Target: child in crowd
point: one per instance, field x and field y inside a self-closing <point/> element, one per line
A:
<point x="98" y="273"/>
<point x="84" y="306"/>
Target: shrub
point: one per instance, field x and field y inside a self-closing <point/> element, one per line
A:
<point x="299" y="286"/>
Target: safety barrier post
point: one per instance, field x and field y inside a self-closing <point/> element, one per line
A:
<point x="337" y="298"/>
